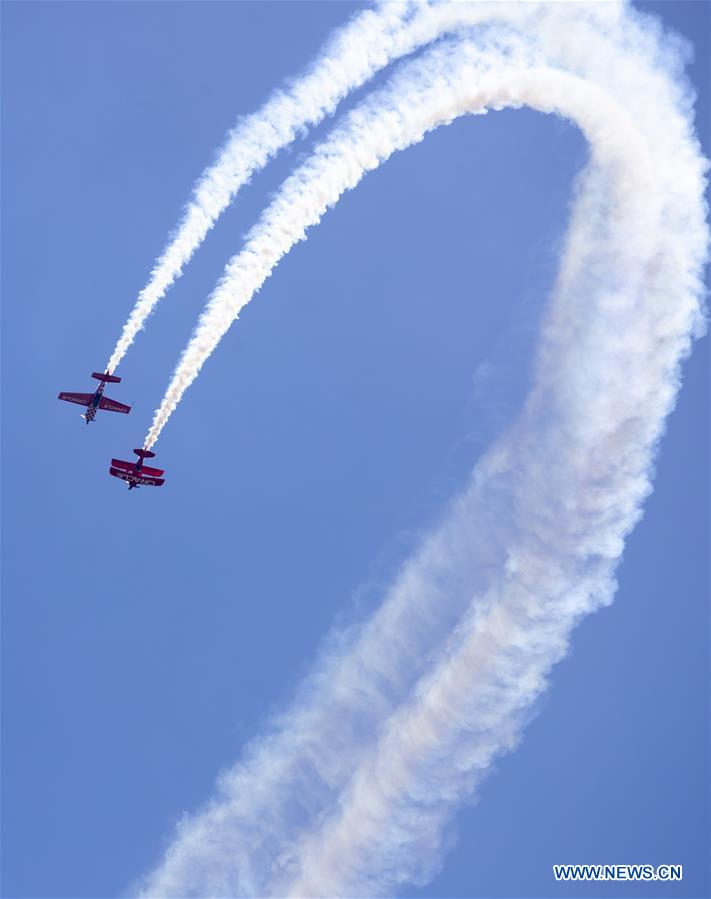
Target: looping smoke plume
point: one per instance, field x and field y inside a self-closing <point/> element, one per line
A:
<point x="350" y="791"/>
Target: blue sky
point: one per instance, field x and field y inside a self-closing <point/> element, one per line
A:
<point x="147" y="636"/>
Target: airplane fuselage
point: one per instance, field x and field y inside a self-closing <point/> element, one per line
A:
<point x="91" y="409"/>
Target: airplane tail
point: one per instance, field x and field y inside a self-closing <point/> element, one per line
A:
<point x="144" y="454"/>
<point x="106" y="377"/>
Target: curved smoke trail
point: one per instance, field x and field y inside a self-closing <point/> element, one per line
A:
<point x="357" y="52"/>
<point x="598" y="42"/>
<point x="351" y="57"/>
<point x="402" y="718"/>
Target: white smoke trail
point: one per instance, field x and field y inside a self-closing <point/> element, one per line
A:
<point x="573" y="37"/>
<point x="370" y="42"/>
<point x="577" y="483"/>
<point x="349" y="795"/>
<point x="351" y="57"/>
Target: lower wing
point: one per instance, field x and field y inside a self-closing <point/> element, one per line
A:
<point x="151" y="482"/>
<point x="138" y="479"/>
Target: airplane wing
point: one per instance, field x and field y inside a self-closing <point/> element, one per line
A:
<point x="121" y="463"/>
<point x="131" y="467"/>
<point x="136" y="478"/>
<point x="113" y="405"/>
<point x="83" y="399"/>
<point x="119" y="473"/>
<point x="151" y="482"/>
<point x="152" y="472"/>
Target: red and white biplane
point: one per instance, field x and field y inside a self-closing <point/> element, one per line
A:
<point x="136" y="474"/>
<point x="96" y="400"/>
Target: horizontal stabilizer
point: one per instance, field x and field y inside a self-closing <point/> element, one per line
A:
<point x="144" y="454"/>
<point x="106" y="377"/>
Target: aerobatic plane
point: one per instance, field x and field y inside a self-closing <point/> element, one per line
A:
<point x="136" y="474"/>
<point x="96" y="400"/>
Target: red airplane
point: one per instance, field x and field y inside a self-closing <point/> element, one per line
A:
<point x="96" y="400"/>
<point x="136" y="473"/>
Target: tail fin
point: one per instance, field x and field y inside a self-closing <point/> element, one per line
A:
<point x="106" y="377"/>
<point x="144" y="454"/>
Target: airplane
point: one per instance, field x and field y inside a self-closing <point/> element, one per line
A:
<point x="96" y="400"/>
<point x="136" y="473"/>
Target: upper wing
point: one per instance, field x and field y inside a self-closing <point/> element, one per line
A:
<point x="131" y="467"/>
<point x="121" y="463"/>
<point x="83" y="399"/>
<point x="112" y="405"/>
<point x="152" y="472"/>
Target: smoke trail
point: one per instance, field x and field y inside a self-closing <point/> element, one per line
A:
<point x="349" y="793"/>
<point x="355" y="52"/>
<point x="577" y="464"/>
<point x="370" y="135"/>
<point x="371" y="41"/>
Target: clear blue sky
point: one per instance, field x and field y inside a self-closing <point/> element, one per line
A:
<point x="147" y="635"/>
